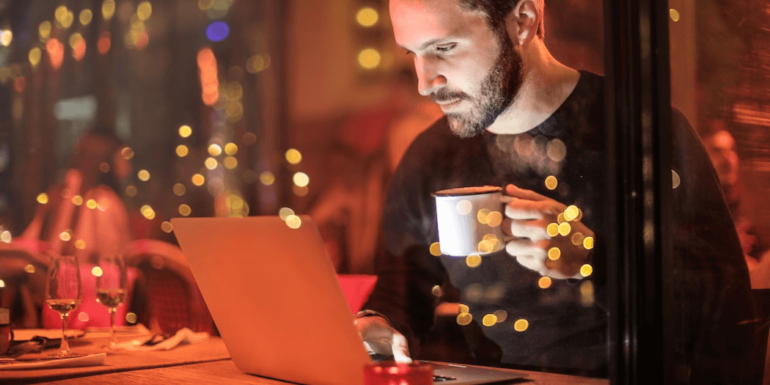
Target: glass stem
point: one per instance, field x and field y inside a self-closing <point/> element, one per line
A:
<point x="65" y="346"/>
<point x="113" y="336"/>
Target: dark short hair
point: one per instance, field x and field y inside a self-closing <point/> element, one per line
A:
<point x="497" y="10"/>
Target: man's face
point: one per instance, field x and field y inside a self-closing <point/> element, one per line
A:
<point x="471" y="71"/>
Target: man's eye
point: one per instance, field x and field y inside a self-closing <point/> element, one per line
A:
<point x="445" y="48"/>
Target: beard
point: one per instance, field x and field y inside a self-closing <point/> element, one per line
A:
<point x="497" y="92"/>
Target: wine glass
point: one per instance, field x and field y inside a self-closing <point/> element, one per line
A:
<point x="63" y="294"/>
<point x="111" y="287"/>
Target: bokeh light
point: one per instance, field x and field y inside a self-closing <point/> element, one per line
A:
<point x="131" y="318"/>
<point x="182" y="150"/>
<point x="148" y="212"/>
<point x="521" y="325"/>
<point x="367" y="17"/>
<point x="185" y="210"/>
<point x="464" y="319"/>
<point x="551" y="182"/>
<point x="675" y="179"/>
<point x="552" y="229"/>
<point x="369" y="58"/>
<point x="284" y="213"/>
<point x="214" y="149"/>
<point x="104" y="43"/>
<point x="231" y="148"/>
<point x="6" y="37"/>
<point x="565" y="229"/>
<point x="65" y="236"/>
<point x="267" y="178"/>
<point x="97" y="271"/>
<point x="144" y="10"/>
<point x="91" y="204"/>
<point x="185" y="131"/>
<point x="217" y="31"/>
<point x="435" y="249"/>
<point x="86" y="16"/>
<point x="211" y="163"/>
<point x="674" y="14"/>
<point x="77" y="200"/>
<point x="489" y="320"/>
<point x="544" y="282"/>
<point x="5" y="236"/>
<point x="108" y="9"/>
<point x="131" y="190"/>
<point x="301" y="179"/>
<point x="34" y="56"/>
<point x="586" y="270"/>
<point x="29" y="269"/>
<point x="198" y="180"/>
<point x="143" y="175"/>
<point x="42" y="198"/>
<point x="166" y="227"/>
<point x="473" y="261"/>
<point x="554" y="253"/>
<point x="293" y="156"/>
<point x="80" y="244"/>
<point x="230" y="162"/>
<point x="464" y="207"/>
<point x="44" y="29"/>
<point x="179" y="189"/>
<point x="588" y="243"/>
<point x="293" y="221"/>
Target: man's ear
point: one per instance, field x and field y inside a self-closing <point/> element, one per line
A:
<point x="523" y="21"/>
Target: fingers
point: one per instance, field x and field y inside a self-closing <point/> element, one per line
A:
<point x="516" y="192"/>
<point x="400" y="348"/>
<point x="380" y="338"/>
<point x="535" y="230"/>
<point x="523" y="209"/>
<point x="525" y="247"/>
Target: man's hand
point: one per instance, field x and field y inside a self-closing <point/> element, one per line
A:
<point x="381" y="338"/>
<point x="552" y="253"/>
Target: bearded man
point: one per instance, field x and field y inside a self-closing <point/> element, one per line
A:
<point x="516" y="117"/>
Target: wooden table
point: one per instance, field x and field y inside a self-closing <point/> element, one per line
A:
<point x="206" y="362"/>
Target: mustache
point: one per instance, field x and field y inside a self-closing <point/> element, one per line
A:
<point x="444" y="95"/>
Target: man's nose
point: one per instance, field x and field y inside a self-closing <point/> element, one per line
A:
<point x="428" y="77"/>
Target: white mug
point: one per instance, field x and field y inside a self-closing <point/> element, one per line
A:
<point x="469" y="220"/>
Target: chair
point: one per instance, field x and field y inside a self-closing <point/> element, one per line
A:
<point x="166" y="297"/>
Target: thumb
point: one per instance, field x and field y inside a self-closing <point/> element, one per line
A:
<point x="400" y="348"/>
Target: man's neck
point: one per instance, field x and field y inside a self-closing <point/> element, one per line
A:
<point x="546" y="85"/>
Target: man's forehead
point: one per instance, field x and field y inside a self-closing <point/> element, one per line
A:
<point x="418" y="21"/>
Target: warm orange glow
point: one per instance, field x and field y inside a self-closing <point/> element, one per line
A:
<point x="207" y="69"/>
<point x="473" y="261"/>
<point x="435" y="249"/>
<point x="55" y="51"/>
<point x="489" y="320"/>
<point x="104" y="43"/>
<point x="521" y="325"/>
<point x="551" y="182"/>
<point x="544" y="282"/>
<point x="79" y="51"/>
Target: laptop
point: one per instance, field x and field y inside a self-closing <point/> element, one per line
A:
<point x="274" y="295"/>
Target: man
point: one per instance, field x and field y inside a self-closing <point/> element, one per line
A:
<point x="516" y="117"/>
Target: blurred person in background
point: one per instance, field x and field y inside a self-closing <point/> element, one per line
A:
<point x="84" y="215"/>
<point x="81" y="215"/>
<point x="720" y="145"/>
<point x="514" y="114"/>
